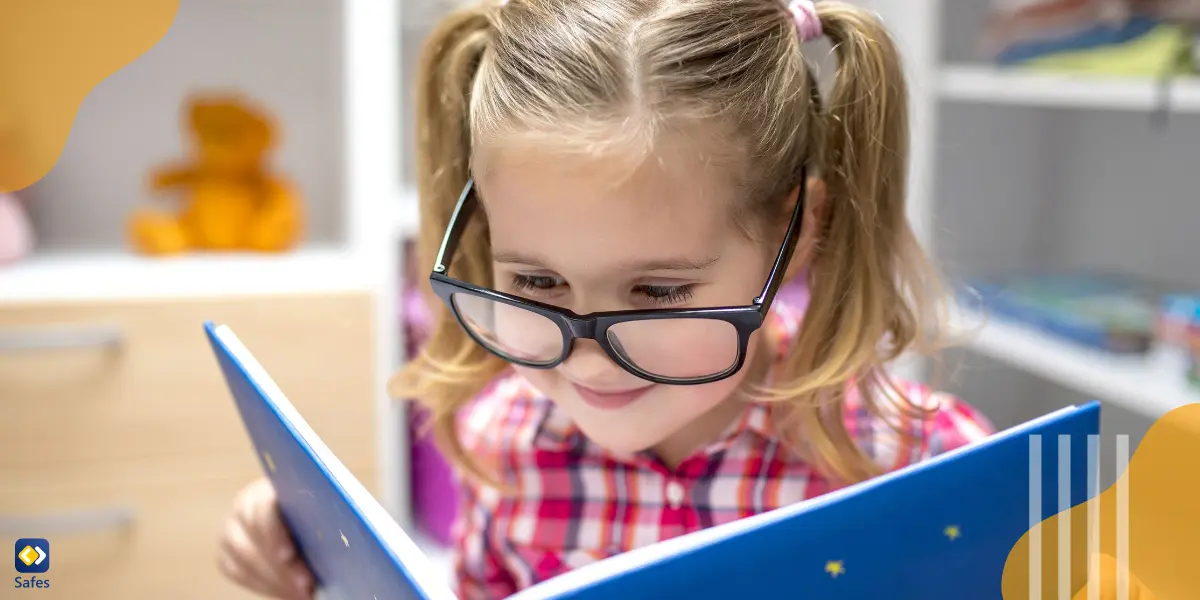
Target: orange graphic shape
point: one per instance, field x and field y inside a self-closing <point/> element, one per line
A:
<point x="52" y="54"/>
<point x="1162" y="483"/>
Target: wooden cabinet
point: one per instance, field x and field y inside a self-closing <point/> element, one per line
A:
<point x="122" y="446"/>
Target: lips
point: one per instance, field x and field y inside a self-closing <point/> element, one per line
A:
<point x="610" y="400"/>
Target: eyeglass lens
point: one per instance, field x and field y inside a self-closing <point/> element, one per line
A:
<point x="675" y="348"/>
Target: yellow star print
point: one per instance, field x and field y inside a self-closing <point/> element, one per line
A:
<point x="344" y="540"/>
<point x="835" y="568"/>
<point x="952" y="532"/>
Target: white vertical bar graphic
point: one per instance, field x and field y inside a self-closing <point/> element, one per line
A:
<point x="1035" y="517"/>
<point x="1093" y="518"/>
<point x="1064" y="517"/>
<point x="1122" y="517"/>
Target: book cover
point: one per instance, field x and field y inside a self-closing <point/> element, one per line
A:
<point x="941" y="529"/>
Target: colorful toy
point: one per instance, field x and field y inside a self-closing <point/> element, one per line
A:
<point x="1107" y="312"/>
<point x="230" y="198"/>
<point x="1194" y="348"/>
<point x="1101" y="37"/>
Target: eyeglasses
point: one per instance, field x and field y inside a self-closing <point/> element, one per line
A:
<point x="671" y="346"/>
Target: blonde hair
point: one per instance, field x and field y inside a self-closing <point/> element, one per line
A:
<point x="643" y="67"/>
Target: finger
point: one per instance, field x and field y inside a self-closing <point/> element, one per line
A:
<point x="300" y="577"/>
<point x="269" y="530"/>
<point x="252" y="562"/>
<point x="275" y="539"/>
<point x="290" y="578"/>
<point x="233" y="570"/>
<point x="270" y="535"/>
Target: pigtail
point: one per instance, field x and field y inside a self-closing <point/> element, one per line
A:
<point x="868" y="275"/>
<point x="447" y="372"/>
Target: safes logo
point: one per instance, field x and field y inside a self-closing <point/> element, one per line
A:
<point x="31" y="555"/>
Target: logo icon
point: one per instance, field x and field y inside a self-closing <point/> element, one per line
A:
<point x="32" y="555"/>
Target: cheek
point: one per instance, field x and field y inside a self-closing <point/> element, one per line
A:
<point x="699" y="399"/>
<point x="526" y="334"/>
<point x="682" y="348"/>
<point x="545" y="380"/>
<point x="516" y="332"/>
<point x="695" y="400"/>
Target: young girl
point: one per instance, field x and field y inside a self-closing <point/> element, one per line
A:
<point x="613" y="191"/>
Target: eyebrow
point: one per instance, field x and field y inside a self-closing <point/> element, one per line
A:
<point x="664" y="264"/>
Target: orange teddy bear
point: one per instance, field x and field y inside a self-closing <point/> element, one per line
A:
<point x="230" y="199"/>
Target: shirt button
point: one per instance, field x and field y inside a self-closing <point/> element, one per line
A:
<point x="675" y="494"/>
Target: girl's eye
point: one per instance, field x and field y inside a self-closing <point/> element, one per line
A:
<point x="663" y="294"/>
<point x="536" y="283"/>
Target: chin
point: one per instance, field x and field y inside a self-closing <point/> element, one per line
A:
<point x="645" y="424"/>
<point x="619" y="440"/>
<point x="638" y="427"/>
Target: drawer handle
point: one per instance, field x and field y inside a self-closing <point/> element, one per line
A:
<point x="57" y="338"/>
<point x="68" y="522"/>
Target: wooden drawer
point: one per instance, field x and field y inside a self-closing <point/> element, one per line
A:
<point x="127" y="456"/>
<point x="153" y="541"/>
<point x="157" y="389"/>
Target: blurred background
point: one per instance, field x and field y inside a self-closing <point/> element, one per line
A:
<point x="1054" y="151"/>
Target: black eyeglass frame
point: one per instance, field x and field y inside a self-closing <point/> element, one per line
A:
<point x="594" y="326"/>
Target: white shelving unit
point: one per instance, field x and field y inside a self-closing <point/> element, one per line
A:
<point x="330" y="71"/>
<point x="1015" y="171"/>
<point x="977" y="84"/>
<point x="407" y="218"/>
<point x="115" y="275"/>
<point x="1143" y="385"/>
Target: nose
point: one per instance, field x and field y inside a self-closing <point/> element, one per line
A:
<point x="589" y="364"/>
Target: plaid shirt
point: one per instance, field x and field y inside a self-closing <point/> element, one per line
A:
<point x="573" y="503"/>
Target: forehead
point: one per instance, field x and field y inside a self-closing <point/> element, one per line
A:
<point x="599" y="211"/>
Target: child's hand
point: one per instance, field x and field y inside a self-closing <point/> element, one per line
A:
<point x="257" y="551"/>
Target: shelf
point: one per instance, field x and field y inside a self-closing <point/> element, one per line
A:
<point x="97" y="276"/>
<point x="1134" y="383"/>
<point x="985" y="84"/>
<point x="407" y="216"/>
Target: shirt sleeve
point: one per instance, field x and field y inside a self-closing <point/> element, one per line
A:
<point x="955" y="424"/>
<point x="896" y="438"/>
<point x="479" y="568"/>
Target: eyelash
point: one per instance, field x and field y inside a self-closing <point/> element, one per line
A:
<point x="664" y="294"/>
<point x="535" y="283"/>
<point x="658" y="294"/>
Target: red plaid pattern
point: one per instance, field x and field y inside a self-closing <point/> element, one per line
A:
<point x="574" y="503"/>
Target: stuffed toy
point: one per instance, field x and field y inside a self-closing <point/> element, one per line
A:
<point x="230" y="200"/>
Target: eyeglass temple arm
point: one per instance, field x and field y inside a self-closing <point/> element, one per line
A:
<point x="458" y="223"/>
<point x="779" y="270"/>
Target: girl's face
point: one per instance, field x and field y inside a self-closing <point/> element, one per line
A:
<point x="588" y="236"/>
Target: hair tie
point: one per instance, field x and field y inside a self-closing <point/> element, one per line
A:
<point x="804" y="13"/>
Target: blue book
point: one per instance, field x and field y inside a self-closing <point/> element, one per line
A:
<point x="938" y="530"/>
